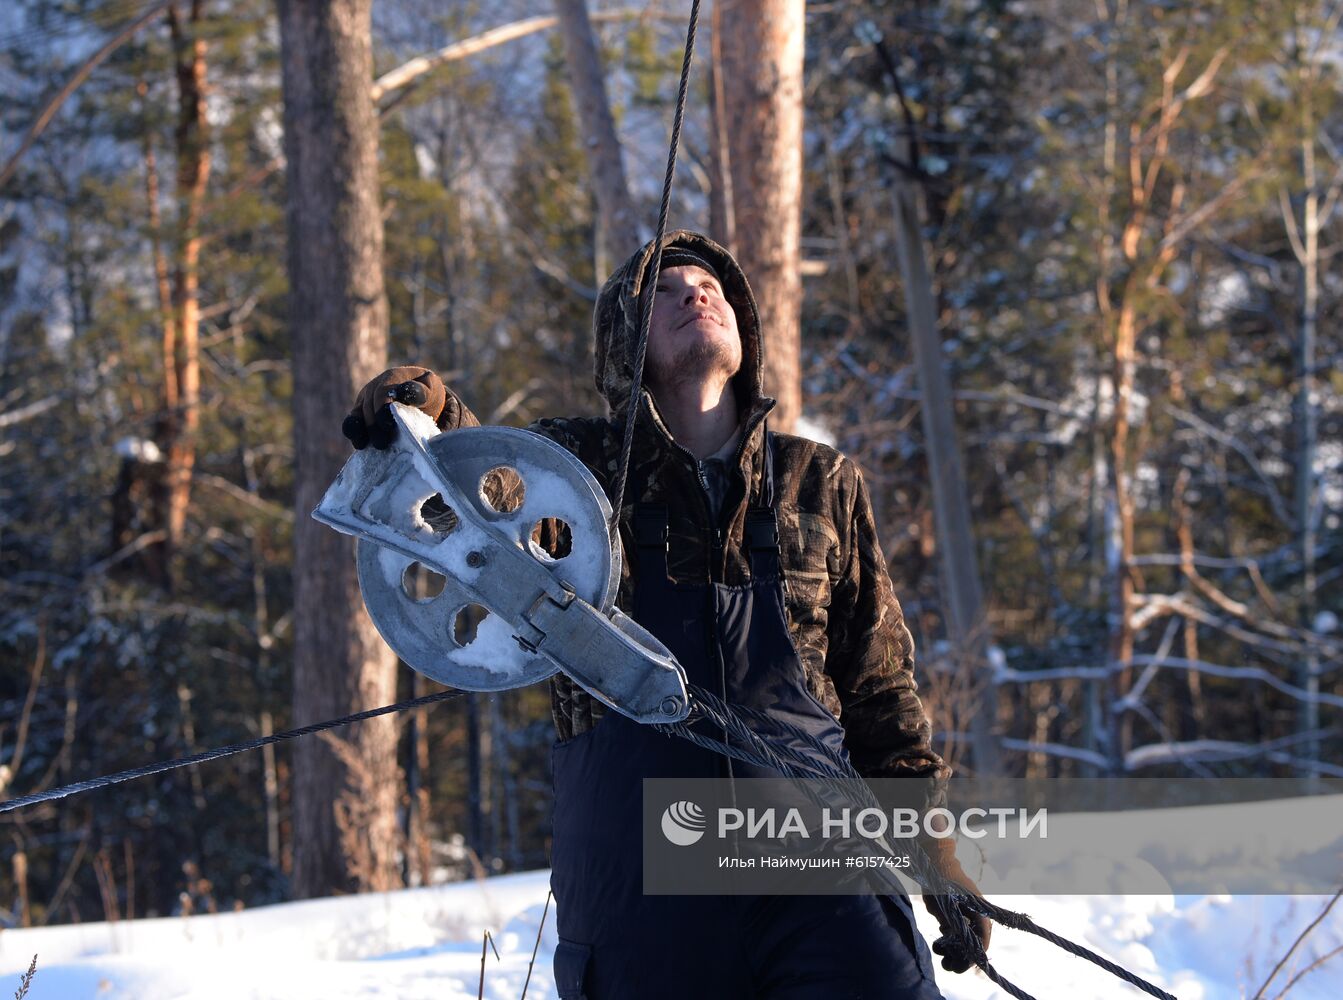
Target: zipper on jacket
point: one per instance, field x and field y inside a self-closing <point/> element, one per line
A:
<point x="716" y="536"/>
<point x="716" y="555"/>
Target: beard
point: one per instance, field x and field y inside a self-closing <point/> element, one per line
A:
<point x="696" y="363"/>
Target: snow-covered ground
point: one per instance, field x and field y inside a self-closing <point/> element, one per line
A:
<point x="409" y="944"/>
<point x="427" y="943"/>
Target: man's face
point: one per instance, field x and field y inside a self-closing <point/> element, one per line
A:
<point x="693" y="336"/>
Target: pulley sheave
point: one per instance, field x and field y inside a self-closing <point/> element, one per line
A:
<point x="472" y="508"/>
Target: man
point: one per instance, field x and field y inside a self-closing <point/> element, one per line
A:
<point x="755" y="559"/>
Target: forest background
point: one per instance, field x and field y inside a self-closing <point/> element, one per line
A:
<point x="1063" y="284"/>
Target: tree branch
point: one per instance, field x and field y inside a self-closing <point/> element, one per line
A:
<point x="77" y="78"/>
<point x="1194" y="751"/>
<point x="1242" y="673"/>
<point x="1223" y="438"/>
<point x="1296" y="944"/>
<point x="409" y="72"/>
<point x="251" y="499"/>
<point x="1308" y="969"/>
<point x="28" y="412"/>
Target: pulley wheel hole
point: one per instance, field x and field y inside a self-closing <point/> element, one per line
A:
<point x="440" y="518"/>
<point x="421" y="584"/>
<point x="466" y="624"/>
<point x="552" y="539"/>
<point x="502" y="489"/>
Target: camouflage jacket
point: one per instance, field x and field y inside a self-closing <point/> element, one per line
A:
<point x="842" y="612"/>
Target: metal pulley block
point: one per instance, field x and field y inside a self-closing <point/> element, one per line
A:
<point x="469" y="509"/>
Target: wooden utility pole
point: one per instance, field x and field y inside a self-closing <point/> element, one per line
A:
<point x="339" y="329"/>
<point x="758" y="74"/>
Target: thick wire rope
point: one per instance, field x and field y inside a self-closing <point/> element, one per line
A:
<point x="747" y="746"/>
<point x="649" y="291"/>
<point x="225" y="751"/>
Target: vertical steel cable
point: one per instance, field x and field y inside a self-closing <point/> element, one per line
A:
<point x="650" y="289"/>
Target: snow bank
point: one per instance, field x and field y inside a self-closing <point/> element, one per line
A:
<point x="417" y="943"/>
<point x="426" y="943"/>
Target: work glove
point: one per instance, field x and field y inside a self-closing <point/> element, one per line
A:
<point x="371" y="421"/>
<point x="955" y="956"/>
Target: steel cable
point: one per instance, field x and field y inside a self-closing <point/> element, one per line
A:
<point x="951" y="900"/>
<point x="649" y="291"/>
<point x="218" y="752"/>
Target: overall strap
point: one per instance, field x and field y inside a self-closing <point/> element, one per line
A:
<point x="762" y="523"/>
<point x="650" y="537"/>
<point x="761" y="530"/>
<point x="649" y="526"/>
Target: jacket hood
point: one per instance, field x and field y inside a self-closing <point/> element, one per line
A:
<point x="615" y="321"/>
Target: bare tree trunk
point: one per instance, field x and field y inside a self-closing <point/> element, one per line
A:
<point x="271" y="788"/>
<point x="1190" y="722"/>
<point x="1149" y="152"/>
<point x="261" y="628"/>
<point x="967" y="625"/>
<point x="193" y="174"/>
<point x="722" y="223"/>
<point x="1119" y="545"/>
<point x="178" y="287"/>
<point x="419" y="850"/>
<point x="1308" y="253"/>
<point x="761" y="80"/>
<point x="1099" y="694"/>
<point x="20" y="869"/>
<point x="475" y="792"/>
<point x="163" y="284"/>
<point x="615" y="209"/>
<point x="339" y="323"/>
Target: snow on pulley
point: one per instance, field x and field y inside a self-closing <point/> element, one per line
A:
<point x="427" y="511"/>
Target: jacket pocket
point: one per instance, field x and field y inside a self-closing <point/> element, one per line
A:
<point x="571" y="969"/>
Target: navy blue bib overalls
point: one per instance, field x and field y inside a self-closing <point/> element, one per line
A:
<point x="617" y="943"/>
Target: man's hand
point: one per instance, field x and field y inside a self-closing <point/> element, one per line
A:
<point x="371" y="421"/>
<point x="955" y="956"/>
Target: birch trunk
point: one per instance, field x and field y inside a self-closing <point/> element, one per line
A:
<point x="1308" y="719"/>
<point x="339" y="329"/>
<point x="1100" y="738"/>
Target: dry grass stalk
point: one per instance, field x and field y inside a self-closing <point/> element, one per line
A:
<point x="27" y="980"/>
